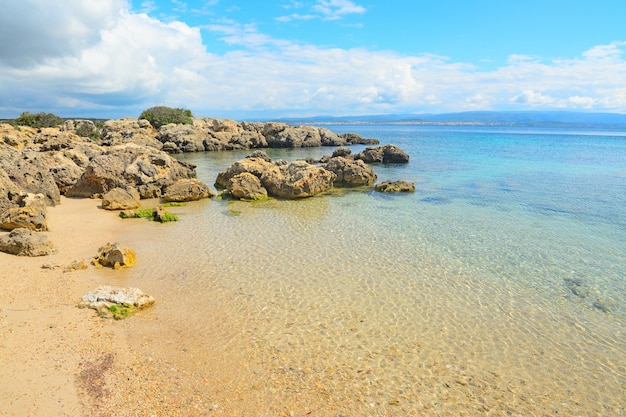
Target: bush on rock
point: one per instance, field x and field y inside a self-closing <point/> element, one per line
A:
<point x="161" y="115"/>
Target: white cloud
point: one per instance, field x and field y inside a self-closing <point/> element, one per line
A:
<point x="108" y="59"/>
<point x="336" y="9"/>
<point x="324" y="10"/>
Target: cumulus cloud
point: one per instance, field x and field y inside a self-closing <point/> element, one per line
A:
<point x="109" y="60"/>
<point x="33" y="30"/>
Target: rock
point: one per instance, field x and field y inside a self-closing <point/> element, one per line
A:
<point x="120" y="199"/>
<point x="281" y="135"/>
<point x="387" y="154"/>
<point x="147" y="169"/>
<point x="252" y="165"/>
<point x="115" y="302"/>
<point x="76" y="266"/>
<point x="24" y="242"/>
<point x="29" y="171"/>
<point x="115" y="256"/>
<point x="356" y="139"/>
<point x="17" y="137"/>
<point x="29" y="212"/>
<point x="395" y="187"/>
<point x="130" y="130"/>
<point x="297" y="179"/>
<point x="260" y="154"/>
<point x="53" y="139"/>
<point x="188" y="189"/>
<point x="182" y="138"/>
<point x="344" y="152"/>
<point x="160" y="215"/>
<point x="350" y="173"/>
<point x="246" y="186"/>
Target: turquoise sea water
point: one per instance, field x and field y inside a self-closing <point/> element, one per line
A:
<point x="498" y="287"/>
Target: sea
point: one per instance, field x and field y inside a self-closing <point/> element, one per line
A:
<point x="498" y="287"/>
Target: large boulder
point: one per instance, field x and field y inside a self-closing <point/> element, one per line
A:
<point x="387" y="154"/>
<point x="246" y="186"/>
<point x="188" y="189"/>
<point x="23" y="242"/>
<point x="253" y="165"/>
<point x="121" y="199"/>
<point x="297" y="179"/>
<point x="147" y="169"/>
<point x="115" y="256"/>
<point x="130" y="130"/>
<point x="115" y="302"/>
<point x="350" y="173"/>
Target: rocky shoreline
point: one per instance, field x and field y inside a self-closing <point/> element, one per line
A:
<point x="126" y="160"/>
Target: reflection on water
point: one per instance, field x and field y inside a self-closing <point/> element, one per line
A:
<point x="474" y="296"/>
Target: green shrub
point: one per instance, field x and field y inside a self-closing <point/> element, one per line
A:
<point x="38" y="120"/>
<point x="161" y="115"/>
<point x="87" y="131"/>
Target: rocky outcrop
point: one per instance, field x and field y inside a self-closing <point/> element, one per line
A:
<point x="349" y="172"/>
<point x="18" y="137"/>
<point x="386" y="154"/>
<point x="115" y="302"/>
<point x="53" y="139"/>
<point x="177" y="138"/>
<point x="115" y="256"/>
<point x="246" y="186"/>
<point x="29" y="212"/>
<point x="395" y="187"/>
<point x="147" y="169"/>
<point x="23" y="242"/>
<point x="29" y="171"/>
<point x="188" y="189"/>
<point x="121" y="199"/>
<point x="297" y="179"/>
<point x="130" y="130"/>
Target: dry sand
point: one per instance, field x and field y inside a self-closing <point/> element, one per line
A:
<point x="59" y="360"/>
<point x="46" y="342"/>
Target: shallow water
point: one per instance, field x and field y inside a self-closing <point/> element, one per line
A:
<point x="497" y="288"/>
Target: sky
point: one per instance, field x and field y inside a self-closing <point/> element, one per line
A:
<point x="250" y="59"/>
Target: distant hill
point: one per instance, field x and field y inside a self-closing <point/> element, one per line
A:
<point x="512" y="118"/>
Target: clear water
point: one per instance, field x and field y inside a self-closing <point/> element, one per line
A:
<point x="497" y="288"/>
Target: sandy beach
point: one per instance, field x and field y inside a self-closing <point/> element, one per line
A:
<point x="57" y="359"/>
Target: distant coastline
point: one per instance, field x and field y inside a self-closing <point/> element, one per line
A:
<point x="479" y="118"/>
<point x="547" y="119"/>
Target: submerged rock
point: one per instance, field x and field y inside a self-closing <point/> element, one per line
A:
<point x="116" y="302"/>
<point x="24" y="242"/>
<point x="395" y="187"/>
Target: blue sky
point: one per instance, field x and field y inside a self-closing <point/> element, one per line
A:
<point x="256" y="59"/>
